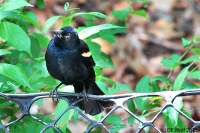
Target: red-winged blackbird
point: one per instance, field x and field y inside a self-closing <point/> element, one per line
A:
<point x="69" y="60"/>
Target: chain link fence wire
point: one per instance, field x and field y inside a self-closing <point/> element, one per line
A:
<point x="25" y="102"/>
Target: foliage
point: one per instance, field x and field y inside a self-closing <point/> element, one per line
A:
<point x="23" y="66"/>
<point x="170" y="115"/>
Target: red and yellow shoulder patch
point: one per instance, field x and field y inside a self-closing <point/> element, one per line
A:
<point x="86" y="54"/>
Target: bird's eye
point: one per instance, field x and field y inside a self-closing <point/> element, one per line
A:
<point x="67" y="37"/>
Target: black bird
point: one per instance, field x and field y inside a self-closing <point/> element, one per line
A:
<point x="69" y="60"/>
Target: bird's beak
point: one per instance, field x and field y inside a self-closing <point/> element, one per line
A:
<point x="58" y="33"/>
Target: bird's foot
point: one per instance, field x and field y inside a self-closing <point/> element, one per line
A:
<point x="54" y="93"/>
<point x="84" y="95"/>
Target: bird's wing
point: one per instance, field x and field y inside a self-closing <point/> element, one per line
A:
<point x="86" y="55"/>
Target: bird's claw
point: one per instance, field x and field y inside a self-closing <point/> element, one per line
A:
<point x="54" y="95"/>
<point x="84" y="95"/>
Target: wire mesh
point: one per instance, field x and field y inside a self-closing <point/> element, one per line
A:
<point x="26" y="100"/>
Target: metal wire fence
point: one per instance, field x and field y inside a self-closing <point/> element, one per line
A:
<point x="25" y="102"/>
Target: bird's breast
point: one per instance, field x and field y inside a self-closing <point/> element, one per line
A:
<point x="65" y="65"/>
<point x="72" y="67"/>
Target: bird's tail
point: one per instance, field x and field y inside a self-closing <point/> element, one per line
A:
<point x="94" y="107"/>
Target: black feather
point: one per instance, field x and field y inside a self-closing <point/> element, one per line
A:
<point x="65" y="62"/>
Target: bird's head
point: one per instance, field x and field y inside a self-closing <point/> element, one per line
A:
<point x="66" y="37"/>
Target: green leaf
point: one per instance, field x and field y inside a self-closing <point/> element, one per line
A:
<point x="5" y="104"/>
<point x="142" y="118"/>
<point x="42" y="39"/>
<point x="180" y="78"/>
<point x="131" y="120"/>
<point x="31" y="73"/>
<point x="22" y="57"/>
<point x="107" y="36"/>
<point x="113" y="120"/>
<point x="170" y="115"/>
<point x="186" y="112"/>
<point x="124" y="87"/>
<point x="189" y="86"/>
<point x="42" y="82"/>
<point x="63" y="121"/>
<point x="51" y="130"/>
<point x="38" y="129"/>
<point x="9" y="14"/>
<point x="32" y="125"/>
<point x="41" y="103"/>
<point x="162" y="79"/>
<point x="67" y="130"/>
<point x="89" y="23"/>
<point x="7" y="87"/>
<point x="14" y="4"/>
<point x="35" y="47"/>
<point x="95" y="29"/>
<point x="178" y="103"/>
<point x="155" y="86"/>
<point x="121" y="14"/>
<point x="142" y="86"/>
<point x="139" y="13"/>
<point x="171" y="62"/>
<point x="112" y="90"/>
<point x="196" y="50"/>
<point x="89" y="17"/>
<point x="193" y="58"/>
<point x="19" y="40"/>
<point x="94" y="47"/>
<point x="7" y="111"/>
<point x="141" y="102"/>
<point x="67" y="21"/>
<point x="66" y="6"/>
<point x="197" y="38"/>
<point x="103" y="61"/>
<point x="4" y="52"/>
<point x="117" y="128"/>
<point x="195" y="74"/>
<point x="50" y="22"/>
<point x="181" y="126"/>
<point x="196" y="41"/>
<point x="155" y="98"/>
<point x="76" y="116"/>
<point x="15" y="73"/>
<point x="18" y="127"/>
<point x="41" y="65"/>
<point x="152" y="105"/>
<point x="106" y="79"/>
<point x="131" y="106"/>
<point x="31" y="17"/>
<point x="98" y="130"/>
<point x="24" y="24"/>
<point x="103" y="87"/>
<point x="40" y="3"/>
<point x="114" y="31"/>
<point x="98" y="71"/>
<point x="96" y="14"/>
<point x="185" y="42"/>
